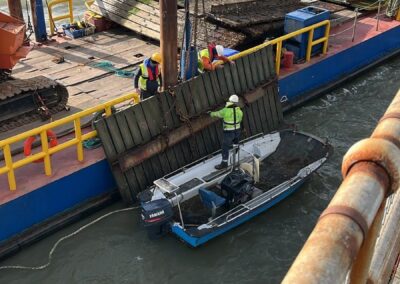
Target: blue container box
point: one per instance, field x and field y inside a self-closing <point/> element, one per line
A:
<point x="300" y="19"/>
<point x="75" y="33"/>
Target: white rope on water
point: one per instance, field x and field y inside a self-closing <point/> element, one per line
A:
<point x="65" y="238"/>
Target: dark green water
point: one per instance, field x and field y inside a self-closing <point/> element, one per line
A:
<point x="117" y="249"/>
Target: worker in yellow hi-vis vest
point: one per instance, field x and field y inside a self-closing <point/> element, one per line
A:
<point x="148" y="79"/>
<point x="232" y="117"/>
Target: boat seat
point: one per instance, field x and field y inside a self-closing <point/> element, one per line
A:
<point x="211" y="200"/>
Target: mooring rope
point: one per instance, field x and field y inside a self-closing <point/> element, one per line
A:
<point x="53" y="249"/>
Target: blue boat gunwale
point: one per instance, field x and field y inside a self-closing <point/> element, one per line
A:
<point x="197" y="241"/>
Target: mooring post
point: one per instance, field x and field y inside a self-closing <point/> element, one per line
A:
<point x="38" y="20"/>
<point x="354" y="25"/>
<point x="15" y="8"/>
<point x="169" y="42"/>
<point x="378" y="14"/>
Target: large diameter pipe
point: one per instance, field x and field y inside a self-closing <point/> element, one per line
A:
<point x="360" y="267"/>
<point x="388" y="246"/>
<point x="334" y="243"/>
<point x="370" y="168"/>
<point x="15" y="8"/>
<point x="136" y="156"/>
<point x="169" y="42"/>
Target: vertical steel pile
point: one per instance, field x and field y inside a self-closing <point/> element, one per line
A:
<point x="169" y="42"/>
<point x="370" y="170"/>
<point x="15" y="8"/>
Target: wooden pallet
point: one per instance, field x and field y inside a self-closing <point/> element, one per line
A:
<point x="143" y="18"/>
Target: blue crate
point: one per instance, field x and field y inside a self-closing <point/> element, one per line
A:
<point x="78" y="33"/>
<point x="302" y="18"/>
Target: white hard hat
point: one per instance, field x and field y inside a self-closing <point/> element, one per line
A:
<point x="234" y="99"/>
<point x="220" y="50"/>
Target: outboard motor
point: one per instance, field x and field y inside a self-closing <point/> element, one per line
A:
<point x="157" y="216"/>
<point x="237" y="188"/>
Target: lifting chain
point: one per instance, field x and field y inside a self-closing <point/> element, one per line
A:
<point x="30" y="27"/>
<point x="186" y="119"/>
<point x="42" y="109"/>
<point x="205" y="23"/>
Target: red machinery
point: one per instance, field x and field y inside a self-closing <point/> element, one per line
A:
<point x="22" y="101"/>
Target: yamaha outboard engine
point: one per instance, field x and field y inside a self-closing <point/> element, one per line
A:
<point x="157" y="216"/>
<point x="237" y="188"/>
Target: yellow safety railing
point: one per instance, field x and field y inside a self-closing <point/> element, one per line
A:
<point x="52" y="19"/>
<point x="46" y="152"/>
<point x="11" y="165"/>
<point x="279" y="41"/>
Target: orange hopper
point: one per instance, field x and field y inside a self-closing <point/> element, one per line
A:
<point x="12" y="34"/>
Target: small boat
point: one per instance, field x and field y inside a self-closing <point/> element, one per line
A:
<point x="198" y="203"/>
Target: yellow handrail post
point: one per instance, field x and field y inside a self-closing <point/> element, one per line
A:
<point x="46" y="152"/>
<point x="108" y="110"/>
<point x="326" y="42"/>
<point x="45" y="149"/>
<point x="9" y="164"/>
<point x="278" y="57"/>
<point x="136" y="98"/>
<point x="78" y="136"/>
<point x="310" y="44"/>
<point x="52" y="19"/>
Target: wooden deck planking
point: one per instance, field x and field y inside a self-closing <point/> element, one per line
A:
<point x="143" y="18"/>
<point x="87" y="86"/>
<point x="79" y="53"/>
<point x="125" y="18"/>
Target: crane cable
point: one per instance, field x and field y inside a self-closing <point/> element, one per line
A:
<point x="30" y="27"/>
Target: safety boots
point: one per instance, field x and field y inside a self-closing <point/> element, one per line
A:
<point x="221" y="166"/>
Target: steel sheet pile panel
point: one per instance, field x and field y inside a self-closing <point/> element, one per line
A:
<point x="158" y="119"/>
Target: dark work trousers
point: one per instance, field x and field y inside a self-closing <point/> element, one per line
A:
<point x="151" y="89"/>
<point x="230" y="137"/>
<point x="146" y="94"/>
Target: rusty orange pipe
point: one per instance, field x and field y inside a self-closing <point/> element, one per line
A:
<point x="370" y="169"/>
<point x="139" y="154"/>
